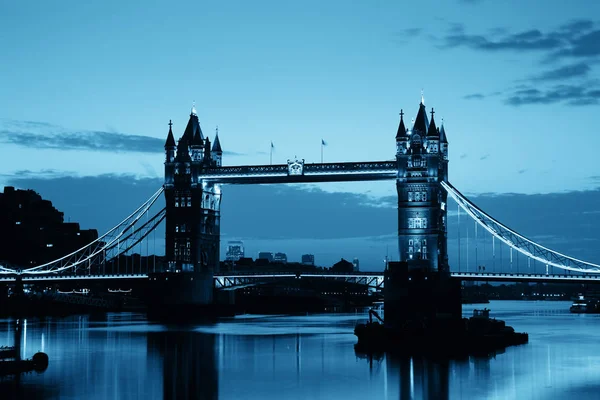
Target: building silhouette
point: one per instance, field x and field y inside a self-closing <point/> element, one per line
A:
<point x="192" y="207"/>
<point x="235" y="250"/>
<point x="356" y="265"/>
<point x="342" y="266"/>
<point x="308" y="259"/>
<point x="265" y="255"/>
<point x="280" y="258"/>
<point x="34" y="232"/>
<point x="422" y="155"/>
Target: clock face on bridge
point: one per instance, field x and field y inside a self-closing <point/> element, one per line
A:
<point x="295" y="167"/>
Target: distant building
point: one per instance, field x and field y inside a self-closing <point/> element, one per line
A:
<point x="265" y="255"/>
<point x="355" y="265"/>
<point x="342" y="266"/>
<point x="235" y="250"/>
<point x="34" y="232"/>
<point x="280" y="258"/>
<point x="308" y="259"/>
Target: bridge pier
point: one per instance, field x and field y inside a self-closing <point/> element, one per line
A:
<point x="414" y="295"/>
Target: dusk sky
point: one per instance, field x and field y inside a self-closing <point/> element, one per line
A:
<point x="87" y="91"/>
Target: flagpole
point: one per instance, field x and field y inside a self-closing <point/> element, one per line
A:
<point x="321" y="151"/>
<point x="271" y="155"/>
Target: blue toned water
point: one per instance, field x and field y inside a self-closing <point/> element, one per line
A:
<point x="122" y="356"/>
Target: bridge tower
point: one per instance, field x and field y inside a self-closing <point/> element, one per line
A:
<point x="192" y="237"/>
<point x="418" y="288"/>
<point x="422" y="155"/>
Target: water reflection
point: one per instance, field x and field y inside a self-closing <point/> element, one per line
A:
<point x="189" y="364"/>
<point x="123" y="356"/>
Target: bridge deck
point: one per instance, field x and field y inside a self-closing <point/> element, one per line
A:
<point x="310" y="173"/>
<point x="370" y="278"/>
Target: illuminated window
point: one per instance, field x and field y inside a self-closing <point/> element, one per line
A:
<point x="18" y="223"/>
<point x="417" y="196"/>
<point x="410" y="196"/>
<point x="176" y="228"/>
<point x="49" y="245"/>
<point x="410" y="246"/>
<point x="188" y="170"/>
<point x="189" y="201"/>
<point x="417" y="223"/>
<point x="424" y="196"/>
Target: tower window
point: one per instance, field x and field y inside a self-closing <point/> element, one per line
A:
<point x="417" y="223"/>
<point x="176" y="228"/>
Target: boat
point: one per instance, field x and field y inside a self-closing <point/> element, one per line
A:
<point x="451" y="337"/>
<point x="583" y="305"/>
<point x="11" y="364"/>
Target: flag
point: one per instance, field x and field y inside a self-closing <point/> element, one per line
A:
<point x="323" y="143"/>
<point x="272" y="146"/>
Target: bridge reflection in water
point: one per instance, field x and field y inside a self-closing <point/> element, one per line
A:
<point x="295" y="357"/>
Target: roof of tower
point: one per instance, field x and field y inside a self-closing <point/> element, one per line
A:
<point x="217" y="144"/>
<point x="421" y="122"/>
<point x="432" y="129"/>
<point x="193" y="128"/>
<point x="170" y="138"/>
<point x="182" y="151"/>
<point x="401" y="128"/>
<point x="443" y="138"/>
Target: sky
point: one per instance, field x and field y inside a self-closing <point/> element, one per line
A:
<point x="87" y="90"/>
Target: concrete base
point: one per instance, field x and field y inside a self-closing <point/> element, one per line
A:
<point x="414" y="295"/>
<point x="171" y="291"/>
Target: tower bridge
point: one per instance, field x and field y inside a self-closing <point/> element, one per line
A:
<point x="194" y="173"/>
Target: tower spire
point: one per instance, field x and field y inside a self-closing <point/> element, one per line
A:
<point x="401" y="128"/>
<point x="170" y="139"/>
<point x="422" y="97"/>
<point x="432" y="131"/>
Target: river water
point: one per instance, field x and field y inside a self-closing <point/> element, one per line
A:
<point x="123" y="356"/>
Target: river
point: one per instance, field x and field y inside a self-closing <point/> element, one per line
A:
<point x="123" y="356"/>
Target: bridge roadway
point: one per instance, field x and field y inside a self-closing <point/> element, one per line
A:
<point x="315" y="172"/>
<point x="373" y="279"/>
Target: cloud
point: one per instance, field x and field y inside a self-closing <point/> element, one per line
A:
<point x="576" y="94"/>
<point x="521" y="171"/>
<point x="527" y="40"/>
<point x="576" y="39"/>
<point x="41" y="135"/>
<point x="565" y="72"/>
<point x="463" y="156"/>
<point x="484" y="157"/>
<point x="474" y="96"/>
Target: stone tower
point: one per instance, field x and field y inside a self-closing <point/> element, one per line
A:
<point x="193" y="215"/>
<point x="422" y="155"/>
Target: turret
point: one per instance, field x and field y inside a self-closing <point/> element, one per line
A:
<point x="443" y="142"/>
<point x="433" y="136"/>
<point x="207" y="158"/>
<point x="401" y="136"/>
<point x="421" y="123"/>
<point x="196" y="146"/>
<point x="216" y="152"/>
<point x="193" y="127"/>
<point x="183" y="153"/>
<point x="170" y="144"/>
